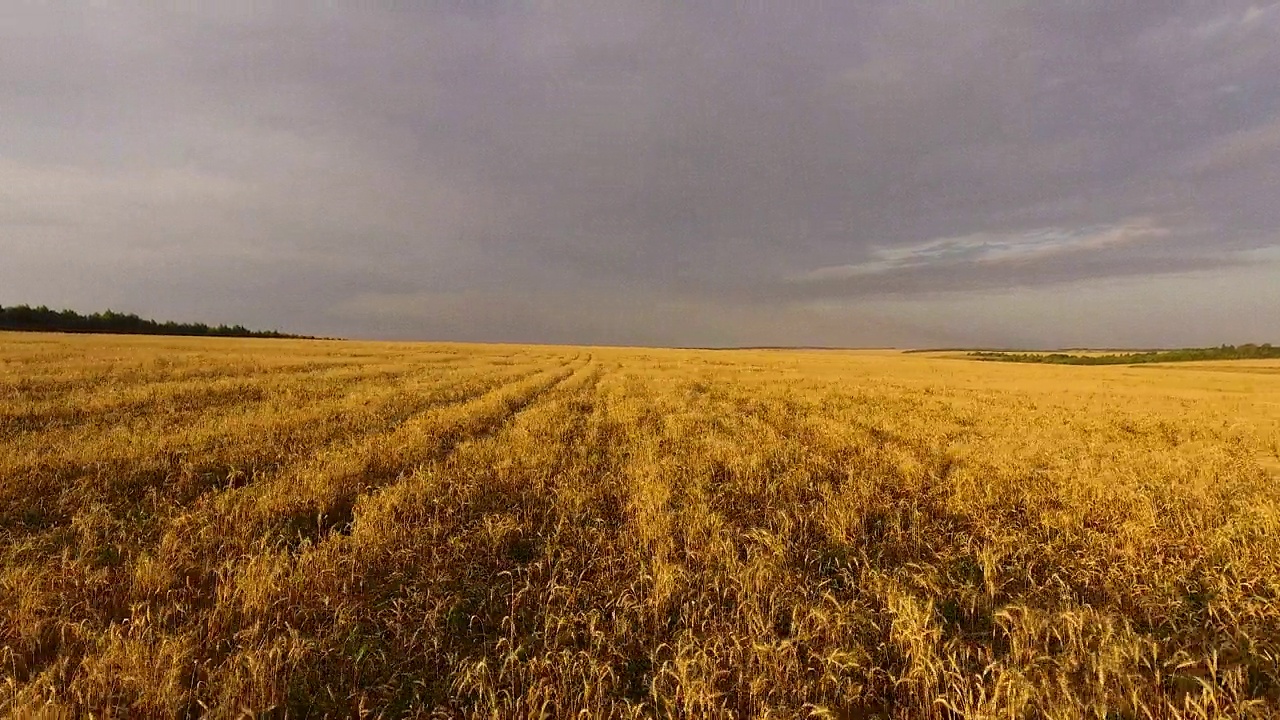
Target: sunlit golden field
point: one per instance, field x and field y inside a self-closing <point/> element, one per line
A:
<point x="302" y="528"/>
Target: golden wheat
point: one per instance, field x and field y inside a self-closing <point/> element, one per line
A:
<point x="234" y="528"/>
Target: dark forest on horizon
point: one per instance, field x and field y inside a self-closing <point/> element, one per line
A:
<point x="43" y="319"/>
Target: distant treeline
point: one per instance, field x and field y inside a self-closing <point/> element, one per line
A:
<point x="1222" y="352"/>
<point x="42" y="319"/>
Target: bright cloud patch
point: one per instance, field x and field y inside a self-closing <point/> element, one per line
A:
<point x="994" y="249"/>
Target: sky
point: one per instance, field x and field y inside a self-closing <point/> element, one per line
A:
<point x="876" y="173"/>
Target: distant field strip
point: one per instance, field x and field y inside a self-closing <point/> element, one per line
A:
<point x="310" y="528"/>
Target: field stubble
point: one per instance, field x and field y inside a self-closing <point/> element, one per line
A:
<point x="281" y="528"/>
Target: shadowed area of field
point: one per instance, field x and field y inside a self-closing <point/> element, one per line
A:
<point x="308" y="528"/>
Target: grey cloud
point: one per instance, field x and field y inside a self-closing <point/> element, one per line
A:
<point x="503" y="170"/>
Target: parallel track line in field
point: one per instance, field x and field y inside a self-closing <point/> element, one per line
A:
<point x="220" y="477"/>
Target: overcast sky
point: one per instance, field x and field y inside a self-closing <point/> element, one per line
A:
<point x="671" y="173"/>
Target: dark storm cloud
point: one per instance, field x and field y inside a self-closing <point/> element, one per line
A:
<point x="626" y="172"/>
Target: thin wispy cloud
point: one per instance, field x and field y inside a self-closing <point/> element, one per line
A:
<point x="989" y="249"/>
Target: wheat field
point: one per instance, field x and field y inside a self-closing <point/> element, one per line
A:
<point x="259" y="528"/>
